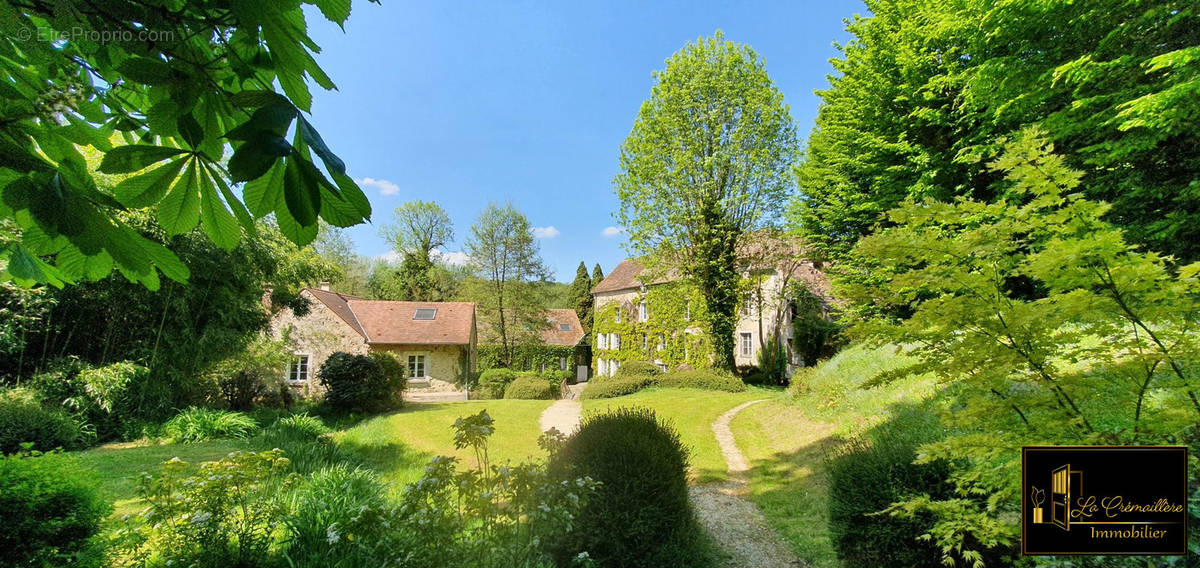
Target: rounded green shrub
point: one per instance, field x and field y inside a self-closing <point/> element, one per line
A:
<point x="558" y="376"/>
<point x="355" y="383"/>
<point x="638" y="368"/>
<point x="395" y="374"/>
<point x="868" y="475"/>
<point x="707" y="379"/>
<point x="640" y="515"/>
<point x="197" y="424"/>
<point x="52" y="509"/>
<point x="531" y="387"/>
<point x="493" y="382"/>
<point x="23" y="420"/>
<point x="610" y="387"/>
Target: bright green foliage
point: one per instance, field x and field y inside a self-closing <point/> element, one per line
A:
<point x="925" y="89"/>
<point x="51" y="510"/>
<point x="812" y="331"/>
<point x="506" y="260"/>
<point x="105" y="398"/>
<point x="304" y="441"/>
<point x="23" y="422"/>
<point x="706" y="162"/>
<point x="628" y="382"/>
<point x="357" y="383"/>
<point x="225" y="514"/>
<point x="493" y="382"/>
<point x="493" y="515"/>
<point x="416" y="230"/>
<point x="706" y="379"/>
<point x="202" y="424"/>
<point x="337" y="519"/>
<point x="531" y="387"/>
<point x="337" y="248"/>
<point x="634" y="368"/>
<point x="394" y="373"/>
<point x="672" y="308"/>
<point x="1049" y="326"/>
<point x="640" y="516"/>
<point x="525" y="357"/>
<point x="612" y="387"/>
<point x="597" y="274"/>
<point x="180" y="85"/>
<point x="772" y="363"/>
<point x="256" y="375"/>
<point x="581" y="296"/>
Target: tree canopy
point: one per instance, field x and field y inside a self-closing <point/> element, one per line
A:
<point x="708" y="160"/>
<point x="925" y="90"/>
<point x="181" y="95"/>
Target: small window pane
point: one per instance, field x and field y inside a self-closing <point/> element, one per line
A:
<point x="564" y="327"/>
<point x="425" y="314"/>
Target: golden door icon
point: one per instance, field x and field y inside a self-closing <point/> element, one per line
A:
<point x="1060" y="497"/>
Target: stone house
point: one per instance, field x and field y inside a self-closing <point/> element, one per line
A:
<point x="435" y="340"/>
<point x="661" y="318"/>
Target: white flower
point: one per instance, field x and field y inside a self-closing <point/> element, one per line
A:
<point x="332" y="535"/>
<point x="201" y="518"/>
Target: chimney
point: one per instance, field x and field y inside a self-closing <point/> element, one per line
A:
<point x="325" y="285"/>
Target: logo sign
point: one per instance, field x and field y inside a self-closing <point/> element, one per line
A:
<point x="1112" y="500"/>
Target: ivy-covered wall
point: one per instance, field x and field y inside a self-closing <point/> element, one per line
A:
<point x="683" y="339"/>
<point x="528" y="357"/>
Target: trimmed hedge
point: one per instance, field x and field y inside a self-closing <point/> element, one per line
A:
<point x="23" y="420"/>
<point x="623" y="384"/>
<point x="493" y="382"/>
<point x="638" y="368"/>
<point x="706" y="379"/>
<point x="531" y="387"/>
<point x="640" y="515"/>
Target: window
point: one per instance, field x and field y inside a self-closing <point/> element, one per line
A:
<point x="687" y="310"/>
<point x="601" y="341"/>
<point x="643" y="312"/>
<point x="564" y="327"/>
<point x="748" y="304"/>
<point x="562" y="363"/>
<point x="645" y="342"/>
<point x="614" y="340"/>
<point x="298" y="370"/>
<point x="662" y="342"/>
<point x="747" y="345"/>
<point x="618" y="314"/>
<point x="416" y="366"/>
<point x="613" y="367"/>
<point x="425" y="314"/>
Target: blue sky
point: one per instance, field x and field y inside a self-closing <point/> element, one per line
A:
<point x="463" y="103"/>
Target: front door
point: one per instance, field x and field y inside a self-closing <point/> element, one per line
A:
<point x="581" y="374"/>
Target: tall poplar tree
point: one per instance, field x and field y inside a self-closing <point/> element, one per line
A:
<point x="708" y="161"/>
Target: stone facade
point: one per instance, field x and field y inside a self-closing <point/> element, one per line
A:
<point x="318" y="334"/>
<point x="447" y="363"/>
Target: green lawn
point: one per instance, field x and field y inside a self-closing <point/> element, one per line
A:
<point x="118" y="466"/>
<point x="399" y="445"/>
<point x="692" y="412"/>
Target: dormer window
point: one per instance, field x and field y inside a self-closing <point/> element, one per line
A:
<point x="425" y="314"/>
<point x="564" y="327"/>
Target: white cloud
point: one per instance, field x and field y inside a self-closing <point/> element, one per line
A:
<point x="612" y="231"/>
<point x="453" y="258"/>
<point x="384" y="186"/>
<point x="545" y="232"/>
<point x="390" y="256"/>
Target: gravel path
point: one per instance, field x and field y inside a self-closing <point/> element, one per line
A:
<point x="736" y="524"/>
<point x="563" y="415"/>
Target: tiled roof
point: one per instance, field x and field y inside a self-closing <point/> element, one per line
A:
<point x="627" y="275"/>
<point x="558" y="336"/>
<point x="392" y="322"/>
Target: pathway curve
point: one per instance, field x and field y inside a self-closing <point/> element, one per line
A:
<point x="564" y="414"/>
<point x="736" y="524"/>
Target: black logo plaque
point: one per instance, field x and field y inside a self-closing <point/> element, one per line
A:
<point x="1112" y="500"/>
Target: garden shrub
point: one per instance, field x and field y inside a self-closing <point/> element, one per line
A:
<point x="355" y="383"/>
<point x="226" y="514"/>
<point x="340" y="517"/>
<point x="107" y="398"/>
<point x="304" y="440"/>
<point x="394" y="373"/>
<point x="637" y="368"/>
<point x="557" y="376"/>
<point x="24" y="421"/>
<point x="707" y="379"/>
<point x="531" y="387"/>
<point x="872" y="472"/>
<point x="52" y="511"/>
<point x="255" y="375"/>
<point x="640" y="515"/>
<point x="772" y="365"/>
<point x="197" y="424"/>
<point x="610" y="387"/>
<point x="492" y="382"/>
